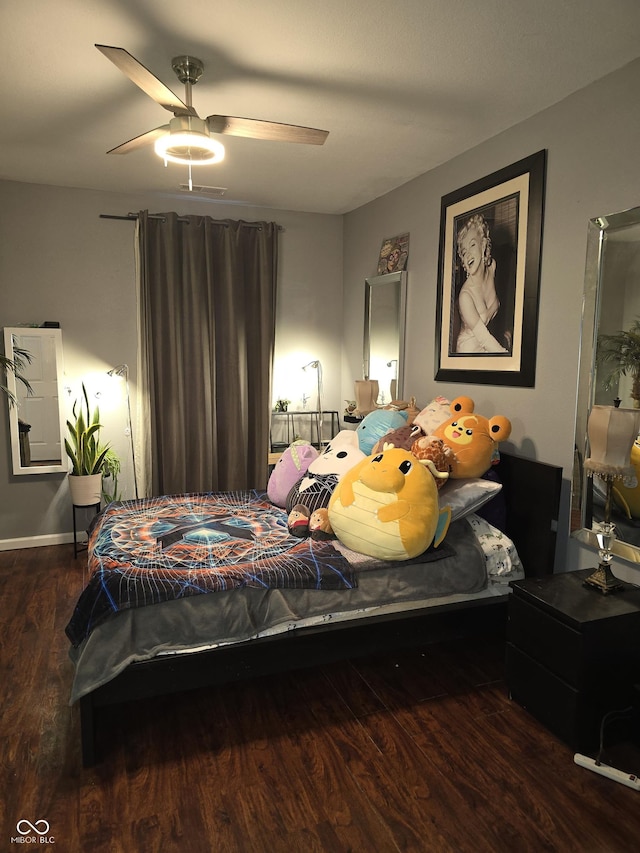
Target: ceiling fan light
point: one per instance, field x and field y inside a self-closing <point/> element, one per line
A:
<point x="189" y="148"/>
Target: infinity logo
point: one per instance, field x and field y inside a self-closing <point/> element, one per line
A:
<point x="40" y="826"/>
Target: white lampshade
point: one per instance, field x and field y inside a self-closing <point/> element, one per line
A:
<point x="612" y="433"/>
<point x="189" y="148"/>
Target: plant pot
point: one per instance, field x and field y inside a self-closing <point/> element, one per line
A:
<point x="85" y="490"/>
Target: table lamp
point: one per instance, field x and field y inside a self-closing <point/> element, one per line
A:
<point x="366" y="391"/>
<point x="612" y="432"/>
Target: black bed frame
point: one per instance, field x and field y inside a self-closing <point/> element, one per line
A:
<point x="533" y="499"/>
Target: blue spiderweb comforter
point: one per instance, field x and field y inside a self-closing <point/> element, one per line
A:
<point x="153" y="550"/>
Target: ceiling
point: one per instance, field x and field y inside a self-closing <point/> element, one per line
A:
<point x="401" y="86"/>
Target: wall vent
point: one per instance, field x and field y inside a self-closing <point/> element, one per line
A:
<point x="218" y="192"/>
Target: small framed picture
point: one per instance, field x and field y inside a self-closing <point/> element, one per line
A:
<point x="489" y="277"/>
<point x="394" y="254"/>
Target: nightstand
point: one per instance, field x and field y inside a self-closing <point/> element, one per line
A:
<point x="572" y="653"/>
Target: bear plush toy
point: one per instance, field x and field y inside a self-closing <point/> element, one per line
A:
<point x="403" y="437"/>
<point x="472" y="438"/>
<point x="420" y="424"/>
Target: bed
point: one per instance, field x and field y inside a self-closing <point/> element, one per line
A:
<point x="156" y="618"/>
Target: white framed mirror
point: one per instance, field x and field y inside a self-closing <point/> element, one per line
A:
<point x="37" y="422"/>
<point x="384" y="328"/>
<point x="611" y="304"/>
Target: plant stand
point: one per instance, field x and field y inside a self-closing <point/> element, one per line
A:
<point x="80" y="547"/>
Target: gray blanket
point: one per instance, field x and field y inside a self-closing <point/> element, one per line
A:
<point x="242" y="614"/>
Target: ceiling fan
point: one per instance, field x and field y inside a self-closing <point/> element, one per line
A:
<point x="187" y="138"/>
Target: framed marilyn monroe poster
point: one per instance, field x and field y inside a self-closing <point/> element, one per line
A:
<point x="489" y="277"/>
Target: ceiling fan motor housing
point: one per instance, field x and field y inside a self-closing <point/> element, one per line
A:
<point x="188" y="69"/>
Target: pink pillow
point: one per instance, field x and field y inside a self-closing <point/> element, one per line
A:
<point x="432" y="416"/>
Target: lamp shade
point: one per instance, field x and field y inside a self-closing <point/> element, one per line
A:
<point x="189" y="142"/>
<point x="612" y="433"/>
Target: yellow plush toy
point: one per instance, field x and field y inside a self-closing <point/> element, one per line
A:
<point x="386" y="506"/>
<point x="628" y="497"/>
<point x="472" y="438"/>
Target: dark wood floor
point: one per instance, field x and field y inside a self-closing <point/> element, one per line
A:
<point x="421" y="751"/>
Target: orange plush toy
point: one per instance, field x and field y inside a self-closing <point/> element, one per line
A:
<point x="472" y="438"/>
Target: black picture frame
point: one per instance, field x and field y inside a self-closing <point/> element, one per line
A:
<point x="511" y="203"/>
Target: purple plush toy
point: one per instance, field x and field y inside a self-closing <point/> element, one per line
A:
<point x="291" y="466"/>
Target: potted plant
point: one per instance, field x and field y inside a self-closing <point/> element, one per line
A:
<point x="21" y="357"/>
<point x="622" y="351"/>
<point x="86" y="453"/>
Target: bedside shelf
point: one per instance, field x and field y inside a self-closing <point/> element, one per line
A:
<point x="572" y="653"/>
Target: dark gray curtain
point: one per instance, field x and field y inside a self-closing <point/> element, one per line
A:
<point x="207" y="297"/>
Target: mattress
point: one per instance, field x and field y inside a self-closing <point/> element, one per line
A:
<point x="477" y="563"/>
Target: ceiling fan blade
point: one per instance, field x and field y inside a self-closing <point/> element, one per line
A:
<point x="140" y="141"/>
<point x="145" y="80"/>
<point x="256" y="129"/>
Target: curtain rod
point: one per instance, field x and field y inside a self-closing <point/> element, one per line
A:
<point x="131" y="217"/>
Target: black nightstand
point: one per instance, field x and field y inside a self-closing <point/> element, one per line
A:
<point x="572" y="653"/>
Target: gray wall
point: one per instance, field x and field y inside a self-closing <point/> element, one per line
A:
<point x="60" y="261"/>
<point x="592" y="140"/>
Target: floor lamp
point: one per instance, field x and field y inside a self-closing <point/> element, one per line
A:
<point x="393" y="386"/>
<point x="122" y="371"/>
<point x="317" y="366"/>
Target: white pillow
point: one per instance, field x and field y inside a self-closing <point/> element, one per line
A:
<point x="499" y="551"/>
<point x="467" y="496"/>
<point x="434" y="415"/>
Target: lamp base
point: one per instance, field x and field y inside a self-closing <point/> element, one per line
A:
<point x="603" y="580"/>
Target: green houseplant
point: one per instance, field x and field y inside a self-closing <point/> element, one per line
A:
<point x="21" y="357"/>
<point x="15" y="366"/>
<point x="110" y="470"/>
<point x="622" y="352"/>
<point x="86" y="453"/>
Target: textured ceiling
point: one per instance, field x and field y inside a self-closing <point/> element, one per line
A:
<point x="401" y="86"/>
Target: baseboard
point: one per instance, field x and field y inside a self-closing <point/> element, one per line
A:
<point x="36" y="541"/>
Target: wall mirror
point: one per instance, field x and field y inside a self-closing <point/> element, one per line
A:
<point x="37" y="423"/>
<point x="384" y="326"/>
<point x="611" y="304"/>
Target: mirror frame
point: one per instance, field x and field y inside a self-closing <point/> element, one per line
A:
<point x="598" y="230"/>
<point x="18" y="467"/>
<point x="371" y="285"/>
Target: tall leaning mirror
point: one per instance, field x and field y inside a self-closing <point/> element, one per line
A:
<point x="36" y="422"/>
<point x="611" y="305"/>
<point x="384" y="325"/>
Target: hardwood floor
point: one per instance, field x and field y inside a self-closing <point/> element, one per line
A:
<point x="420" y="751"/>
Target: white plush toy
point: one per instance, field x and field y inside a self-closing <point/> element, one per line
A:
<point x="314" y="489"/>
